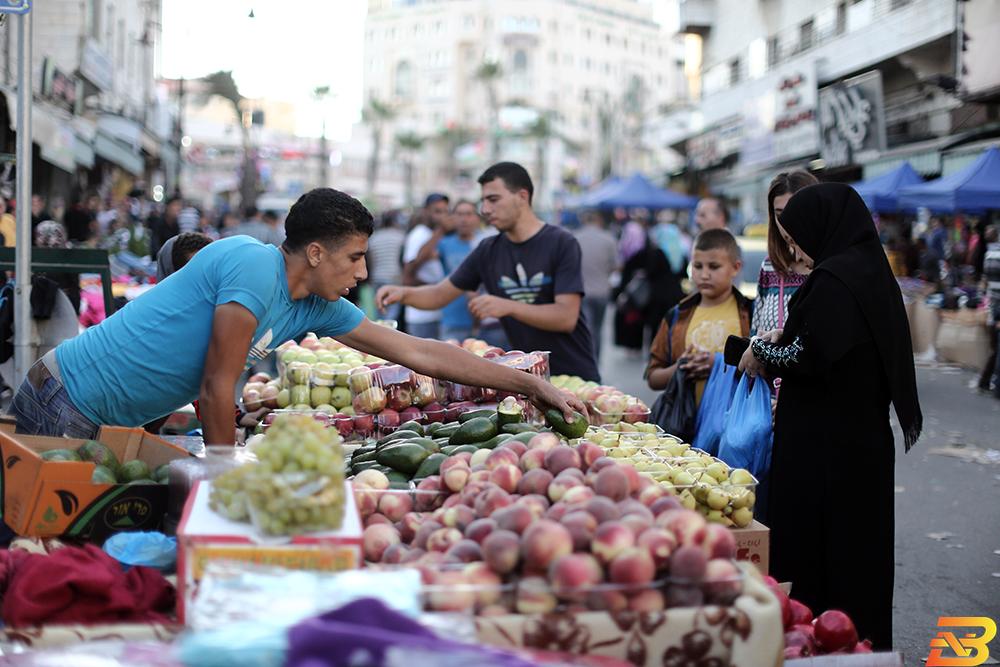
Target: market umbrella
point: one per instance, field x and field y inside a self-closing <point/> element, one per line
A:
<point x="972" y="190"/>
<point x="605" y="185"/>
<point x="881" y="193"/>
<point x="636" y="192"/>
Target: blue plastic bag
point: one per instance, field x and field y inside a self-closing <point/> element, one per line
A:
<point x="715" y="403"/>
<point x="746" y="440"/>
<point x="150" y="549"/>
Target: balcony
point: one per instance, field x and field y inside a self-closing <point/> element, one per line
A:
<point x="696" y="16"/>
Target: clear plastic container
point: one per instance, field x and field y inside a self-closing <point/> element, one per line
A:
<point x="185" y="472"/>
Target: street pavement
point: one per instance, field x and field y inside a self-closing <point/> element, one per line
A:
<point x="947" y="503"/>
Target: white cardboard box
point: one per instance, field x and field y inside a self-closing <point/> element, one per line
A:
<point x="203" y="536"/>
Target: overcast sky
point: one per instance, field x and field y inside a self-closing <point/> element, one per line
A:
<point x="289" y="48"/>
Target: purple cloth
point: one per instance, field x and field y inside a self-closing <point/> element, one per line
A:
<point x="368" y="628"/>
<point x="633" y="240"/>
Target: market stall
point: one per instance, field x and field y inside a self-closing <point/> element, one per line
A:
<point x="384" y="511"/>
<point x="881" y="193"/>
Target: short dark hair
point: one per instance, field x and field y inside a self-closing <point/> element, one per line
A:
<point x="719" y="239"/>
<point x="270" y="215"/>
<point x="250" y="212"/>
<point x="327" y="216"/>
<point x="785" y="183"/>
<point x="435" y="197"/>
<point x="170" y="201"/>
<point x="720" y="205"/>
<point x="514" y="177"/>
<point x="185" y="246"/>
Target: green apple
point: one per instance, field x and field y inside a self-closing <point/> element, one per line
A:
<point x="284" y="398"/>
<point x="340" y="397"/>
<point x="348" y="410"/>
<point x="308" y="357"/>
<point x="302" y="407"/>
<point x="290" y="355"/>
<point x="740" y="477"/>
<point x="327" y="408"/>
<point x="341" y="371"/>
<point x="320" y="395"/>
<point x="327" y="357"/>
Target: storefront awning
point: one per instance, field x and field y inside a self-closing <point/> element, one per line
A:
<point x="118" y="140"/>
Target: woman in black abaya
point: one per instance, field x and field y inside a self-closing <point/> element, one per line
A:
<point x="843" y="356"/>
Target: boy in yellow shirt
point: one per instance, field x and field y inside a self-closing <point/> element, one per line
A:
<point x="696" y="328"/>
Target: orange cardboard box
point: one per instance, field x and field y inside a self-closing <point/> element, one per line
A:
<point x="753" y="544"/>
<point x="204" y="536"/>
<point x="49" y="498"/>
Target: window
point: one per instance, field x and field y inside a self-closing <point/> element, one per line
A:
<point x="625" y="43"/>
<point x="94" y="18"/>
<point x="807" y="34"/>
<point x="896" y="4"/>
<point x="121" y="42"/>
<point x="109" y="26"/>
<point x="418" y="28"/>
<point x="439" y="26"/>
<point x="586" y="94"/>
<point x="607" y="68"/>
<point x="773" y="51"/>
<point x="586" y="63"/>
<point x="520" y="62"/>
<point x="469" y="21"/>
<point x="404" y="80"/>
<point x="734" y="71"/>
<point x="841" y="17"/>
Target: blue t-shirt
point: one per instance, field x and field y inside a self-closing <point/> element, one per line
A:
<point x="453" y="250"/>
<point x="148" y="358"/>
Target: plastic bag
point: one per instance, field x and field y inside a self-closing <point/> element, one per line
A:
<point x="715" y="403"/>
<point x="746" y="440"/>
<point x="147" y="549"/>
<point x="674" y="411"/>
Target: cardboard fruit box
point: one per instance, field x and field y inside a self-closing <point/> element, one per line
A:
<point x="50" y="498"/>
<point x="204" y="536"/>
<point x="753" y="544"/>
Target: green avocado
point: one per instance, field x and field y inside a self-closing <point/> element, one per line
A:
<point x="576" y="429"/>
<point x="430" y="466"/>
<point x="475" y="430"/>
<point x="405" y="457"/>
<point x="474" y="414"/>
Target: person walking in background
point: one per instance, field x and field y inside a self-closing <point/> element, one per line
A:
<point x="421" y="262"/>
<point x="598" y="259"/>
<point x="8" y="225"/>
<point x="80" y="219"/>
<point x="276" y="234"/>
<point x="990" y="377"/>
<point x="165" y="226"/>
<point x="39" y="211"/>
<point x="229" y="226"/>
<point x="453" y="248"/>
<point x="781" y="273"/>
<point x="257" y="226"/>
<point x="385" y="247"/>
<point x="711" y="213"/>
<point x="631" y="301"/>
<point x="844" y="355"/>
<point x="531" y="271"/>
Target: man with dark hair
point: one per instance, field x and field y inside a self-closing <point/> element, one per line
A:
<point x="421" y="262"/>
<point x="166" y="226"/>
<point x="261" y="226"/>
<point x="531" y="272"/>
<point x="232" y="305"/>
<point x="711" y="213"/>
<point x="178" y="251"/>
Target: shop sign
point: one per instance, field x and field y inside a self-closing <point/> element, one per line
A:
<point x="60" y="88"/>
<point x="852" y="120"/>
<point x="779" y="117"/>
<point x="710" y="148"/>
<point x="96" y="67"/>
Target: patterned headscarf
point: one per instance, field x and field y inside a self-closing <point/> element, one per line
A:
<point x="51" y="234"/>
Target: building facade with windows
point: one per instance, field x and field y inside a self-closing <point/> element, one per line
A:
<point x="848" y="88"/>
<point x="598" y="71"/>
<point x="99" y="121"/>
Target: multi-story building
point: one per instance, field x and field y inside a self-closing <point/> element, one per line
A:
<point x="99" y="121"/>
<point x="849" y="88"/>
<point x="598" y="71"/>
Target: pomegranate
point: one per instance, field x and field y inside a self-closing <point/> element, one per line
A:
<point x="798" y="639"/>
<point x="835" y="631"/>
<point x="863" y="646"/>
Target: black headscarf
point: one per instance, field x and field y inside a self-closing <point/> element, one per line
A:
<point x="831" y="224"/>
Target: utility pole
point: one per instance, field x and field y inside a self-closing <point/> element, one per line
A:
<point x="321" y="93"/>
<point x="23" y="357"/>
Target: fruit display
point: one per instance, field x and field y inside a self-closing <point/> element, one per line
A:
<point x="532" y="525"/>
<point x="107" y="468"/>
<point x="296" y="485"/>
<point x="832" y="631"/>
<point x="605" y="404"/>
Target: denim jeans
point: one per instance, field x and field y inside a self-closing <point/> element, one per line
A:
<point x="595" y="307"/>
<point x="424" y="329"/>
<point x="43" y="407"/>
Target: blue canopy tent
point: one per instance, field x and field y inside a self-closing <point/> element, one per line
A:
<point x="636" y="192"/>
<point x="605" y="185"/>
<point x="881" y="193"/>
<point x="972" y="190"/>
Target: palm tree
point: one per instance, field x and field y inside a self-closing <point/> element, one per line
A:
<point x="408" y="144"/>
<point x="375" y="114"/>
<point x="221" y="84"/>
<point x="489" y="73"/>
<point x="450" y="139"/>
<point x="543" y="130"/>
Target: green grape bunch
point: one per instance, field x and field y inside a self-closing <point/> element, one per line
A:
<point x="297" y="485"/>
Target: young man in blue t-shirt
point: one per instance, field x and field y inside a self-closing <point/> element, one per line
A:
<point x="194" y="334"/>
<point x="531" y="272"/>
<point x="456" y="320"/>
